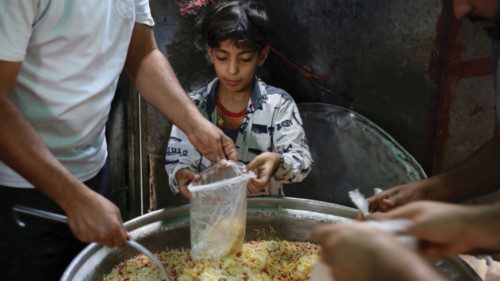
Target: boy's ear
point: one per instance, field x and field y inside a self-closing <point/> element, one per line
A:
<point x="209" y="53"/>
<point x="263" y="55"/>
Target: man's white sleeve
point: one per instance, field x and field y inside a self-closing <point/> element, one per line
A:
<point x="17" y="18"/>
<point x="143" y="12"/>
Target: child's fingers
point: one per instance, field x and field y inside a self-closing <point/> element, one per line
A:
<point x="255" y="164"/>
<point x="193" y="176"/>
<point x="255" y="185"/>
<point x="184" y="192"/>
<point x="252" y="165"/>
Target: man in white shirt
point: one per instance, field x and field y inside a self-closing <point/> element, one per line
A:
<point x="59" y="66"/>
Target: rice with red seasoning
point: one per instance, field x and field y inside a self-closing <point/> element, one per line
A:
<point x="258" y="260"/>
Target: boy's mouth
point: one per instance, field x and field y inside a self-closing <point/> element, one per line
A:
<point x="232" y="82"/>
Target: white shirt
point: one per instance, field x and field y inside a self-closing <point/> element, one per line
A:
<point x="72" y="54"/>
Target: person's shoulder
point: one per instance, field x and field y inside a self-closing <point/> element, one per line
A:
<point x="199" y="94"/>
<point x="274" y="93"/>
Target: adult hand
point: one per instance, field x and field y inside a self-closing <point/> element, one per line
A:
<point x="349" y="249"/>
<point x="397" y="196"/>
<point x="93" y="218"/>
<point x="212" y="142"/>
<point x="265" y="165"/>
<point x="183" y="178"/>
<point x="442" y="228"/>
<point x="357" y="251"/>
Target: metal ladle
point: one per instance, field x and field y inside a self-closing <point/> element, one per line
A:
<point x="63" y="219"/>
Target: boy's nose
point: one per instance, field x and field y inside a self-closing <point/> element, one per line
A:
<point x="233" y="68"/>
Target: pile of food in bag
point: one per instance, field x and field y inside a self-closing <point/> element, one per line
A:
<point x="258" y="260"/>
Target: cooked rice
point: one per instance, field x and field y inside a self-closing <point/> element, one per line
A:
<point x="259" y="260"/>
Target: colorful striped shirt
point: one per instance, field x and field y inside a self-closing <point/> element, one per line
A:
<point x="272" y="123"/>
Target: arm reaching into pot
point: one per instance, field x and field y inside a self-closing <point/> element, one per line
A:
<point x="477" y="175"/>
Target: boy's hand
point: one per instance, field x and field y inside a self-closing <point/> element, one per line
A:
<point x="183" y="178"/>
<point x="265" y="165"/>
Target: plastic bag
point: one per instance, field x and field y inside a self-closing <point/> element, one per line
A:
<point x="218" y="211"/>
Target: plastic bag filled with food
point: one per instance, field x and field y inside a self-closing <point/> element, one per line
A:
<point x="218" y="211"/>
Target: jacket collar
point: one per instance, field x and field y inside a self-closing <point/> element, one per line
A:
<point x="213" y="88"/>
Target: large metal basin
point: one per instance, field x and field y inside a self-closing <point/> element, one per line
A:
<point x="285" y="218"/>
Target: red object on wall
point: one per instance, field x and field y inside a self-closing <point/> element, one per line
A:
<point x="445" y="69"/>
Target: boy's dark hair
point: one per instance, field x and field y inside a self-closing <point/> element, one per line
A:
<point x="243" y="22"/>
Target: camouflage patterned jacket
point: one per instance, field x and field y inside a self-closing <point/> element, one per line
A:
<point x="271" y="123"/>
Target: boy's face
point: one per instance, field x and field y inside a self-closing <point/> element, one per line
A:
<point x="236" y="65"/>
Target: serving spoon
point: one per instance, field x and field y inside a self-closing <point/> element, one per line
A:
<point x="63" y="219"/>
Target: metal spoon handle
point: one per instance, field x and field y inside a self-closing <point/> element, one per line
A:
<point x="37" y="213"/>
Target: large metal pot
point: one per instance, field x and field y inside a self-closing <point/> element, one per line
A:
<point x="285" y="218"/>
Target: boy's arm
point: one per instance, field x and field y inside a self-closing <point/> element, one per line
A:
<point x="180" y="155"/>
<point x="291" y="144"/>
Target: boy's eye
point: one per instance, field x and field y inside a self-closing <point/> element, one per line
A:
<point x="222" y="58"/>
<point x="246" y="59"/>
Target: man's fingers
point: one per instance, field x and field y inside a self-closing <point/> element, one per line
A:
<point x="120" y="240"/>
<point x="214" y="158"/>
<point x="378" y="216"/>
<point x="387" y="204"/>
<point x="382" y="202"/>
<point x="320" y="232"/>
<point x="216" y="150"/>
<point x="404" y="212"/>
<point x="228" y="148"/>
<point x="223" y="149"/>
<point x="108" y="243"/>
<point x="360" y="216"/>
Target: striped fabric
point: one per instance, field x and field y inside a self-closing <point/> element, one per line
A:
<point x="271" y="123"/>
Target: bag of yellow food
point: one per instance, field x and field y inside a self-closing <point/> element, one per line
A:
<point x="218" y="211"/>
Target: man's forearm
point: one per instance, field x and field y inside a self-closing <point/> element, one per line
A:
<point x="483" y="227"/>
<point x="477" y="175"/>
<point x="156" y="81"/>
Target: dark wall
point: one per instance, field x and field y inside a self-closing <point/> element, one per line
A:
<point x="377" y="54"/>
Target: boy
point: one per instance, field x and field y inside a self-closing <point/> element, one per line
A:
<point x="262" y="120"/>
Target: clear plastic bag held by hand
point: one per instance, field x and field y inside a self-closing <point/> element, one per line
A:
<point x="218" y="211"/>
